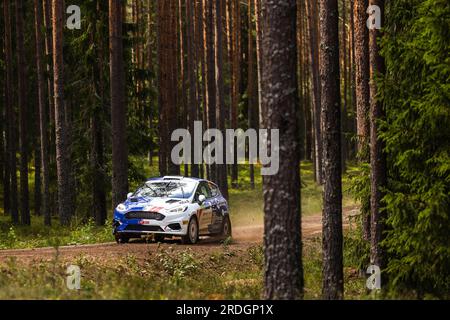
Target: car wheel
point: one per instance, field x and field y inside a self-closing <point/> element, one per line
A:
<point x="192" y="234"/>
<point x="226" y="228"/>
<point x="121" y="239"/>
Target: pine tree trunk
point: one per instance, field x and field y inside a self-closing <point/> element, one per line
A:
<point x="118" y="105"/>
<point x="10" y="115"/>
<point x="283" y="270"/>
<point x="192" y="62"/>
<point x="209" y="29"/>
<point x="23" y="125"/>
<point x="162" y="81"/>
<point x="63" y="156"/>
<point x="362" y="77"/>
<point x="220" y="110"/>
<point x="43" y="122"/>
<point x="151" y="83"/>
<point x="174" y="98"/>
<point x="252" y="84"/>
<point x="344" y="120"/>
<point x="260" y="66"/>
<point x="48" y="40"/>
<point x="236" y="81"/>
<point x="202" y="62"/>
<point x="332" y="269"/>
<point x="183" y="71"/>
<point x="97" y="153"/>
<point x="315" y="83"/>
<point x="4" y="159"/>
<point x="377" y="155"/>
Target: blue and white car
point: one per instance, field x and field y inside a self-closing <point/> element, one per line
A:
<point x="170" y="207"/>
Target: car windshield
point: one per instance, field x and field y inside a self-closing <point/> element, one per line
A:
<point x="166" y="189"/>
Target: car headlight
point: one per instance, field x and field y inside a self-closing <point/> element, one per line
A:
<point x="179" y="209"/>
<point x="121" y="207"/>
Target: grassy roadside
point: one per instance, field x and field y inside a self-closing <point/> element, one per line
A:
<point x="225" y="273"/>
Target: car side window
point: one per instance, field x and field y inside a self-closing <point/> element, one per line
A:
<point x="204" y="190"/>
<point x="214" y="190"/>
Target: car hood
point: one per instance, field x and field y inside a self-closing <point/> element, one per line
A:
<point x="153" y="204"/>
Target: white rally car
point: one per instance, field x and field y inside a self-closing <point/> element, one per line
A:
<point x="170" y="207"/>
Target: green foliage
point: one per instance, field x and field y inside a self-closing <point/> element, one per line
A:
<point x="359" y="187"/>
<point x="38" y="235"/>
<point x="178" y="265"/>
<point x="416" y="92"/>
<point x="357" y="250"/>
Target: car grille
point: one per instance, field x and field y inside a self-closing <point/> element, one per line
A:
<point x="139" y="227"/>
<point x="145" y="215"/>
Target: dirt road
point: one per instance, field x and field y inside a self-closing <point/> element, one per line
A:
<point x="243" y="238"/>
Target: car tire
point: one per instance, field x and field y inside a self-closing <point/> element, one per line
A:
<point x="226" y="228"/>
<point x="192" y="235"/>
<point x="121" y="239"/>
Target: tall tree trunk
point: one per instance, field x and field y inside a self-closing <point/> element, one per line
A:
<point x="315" y="83"/>
<point x="209" y="29"/>
<point x="252" y="81"/>
<point x="183" y="72"/>
<point x="37" y="166"/>
<point x="63" y="156"/>
<point x="377" y="155"/>
<point x="202" y="62"/>
<point x="344" y="149"/>
<point x="11" y="116"/>
<point x="260" y="66"/>
<point x="43" y="115"/>
<point x="353" y="74"/>
<point x="151" y="83"/>
<point x="220" y="95"/>
<point x="283" y="270"/>
<point x="4" y="131"/>
<point x="236" y="80"/>
<point x="118" y="105"/>
<point x="97" y="154"/>
<point x="162" y="81"/>
<point x="23" y="125"/>
<point x="48" y="40"/>
<point x="304" y="56"/>
<point x="172" y="110"/>
<point x="191" y="70"/>
<point x="362" y="78"/>
<point x="332" y="269"/>
<point x="167" y="82"/>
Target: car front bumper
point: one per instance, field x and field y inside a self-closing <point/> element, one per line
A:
<point x="172" y="225"/>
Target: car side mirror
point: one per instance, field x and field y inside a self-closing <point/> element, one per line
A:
<point x="129" y="195"/>
<point x="201" y="199"/>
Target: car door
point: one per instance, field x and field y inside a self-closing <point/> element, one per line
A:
<point x="204" y="213"/>
<point x="218" y="203"/>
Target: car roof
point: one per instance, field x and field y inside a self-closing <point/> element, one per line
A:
<point x="176" y="178"/>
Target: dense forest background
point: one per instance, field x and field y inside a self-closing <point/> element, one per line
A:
<point x="83" y="109"/>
